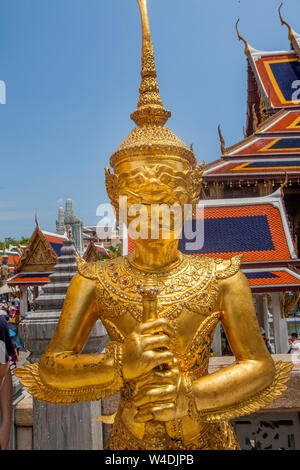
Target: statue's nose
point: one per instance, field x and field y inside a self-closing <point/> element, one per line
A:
<point x="153" y="181"/>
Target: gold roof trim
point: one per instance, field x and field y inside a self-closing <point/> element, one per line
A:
<point x="247" y="49"/>
<point x="283" y="22"/>
<point x="222" y="140"/>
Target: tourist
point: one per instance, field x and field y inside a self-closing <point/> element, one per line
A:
<point x="294" y="344"/>
<point x="6" y="389"/>
<point x="266" y="340"/>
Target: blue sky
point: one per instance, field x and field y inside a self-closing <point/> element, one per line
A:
<point x="71" y="69"/>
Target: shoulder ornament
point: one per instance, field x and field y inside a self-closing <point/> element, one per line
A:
<point x="226" y="268"/>
<point x="87" y="270"/>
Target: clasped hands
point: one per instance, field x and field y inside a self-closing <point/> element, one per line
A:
<point x="148" y="361"/>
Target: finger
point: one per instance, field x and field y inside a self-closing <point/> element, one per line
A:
<point x="156" y="358"/>
<point x="162" y="357"/>
<point x="153" y="342"/>
<point x="155" y="379"/>
<point x="156" y="326"/>
<point x="164" y="412"/>
<point x="167" y="374"/>
<point x="143" y="417"/>
<point x="151" y="395"/>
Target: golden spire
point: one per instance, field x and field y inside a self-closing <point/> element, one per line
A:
<point x="247" y="50"/>
<point x="150" y="107"/>
<point x="151" y="140"/>
<point x="283" y="22"/>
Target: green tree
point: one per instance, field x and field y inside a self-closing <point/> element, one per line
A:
<point x="24" y="241"/>
<point x="8" y="241"/>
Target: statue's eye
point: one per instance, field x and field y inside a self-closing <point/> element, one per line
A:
<point x="165" y="179"/>
<point x="139" y="179"/>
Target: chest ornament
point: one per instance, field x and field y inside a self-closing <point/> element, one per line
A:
<point x="192" y="285"/>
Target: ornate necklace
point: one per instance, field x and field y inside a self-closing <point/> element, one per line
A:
<point x="190" y="284"/>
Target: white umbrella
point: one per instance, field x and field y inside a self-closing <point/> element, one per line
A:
<point x="5" y="290"/>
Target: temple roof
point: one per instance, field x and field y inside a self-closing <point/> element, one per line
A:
<point x="273" y="118"/>
<point x="255" y="227"/>
<point x="274" y="149"/>
<point x="262" y="280"/>
<point x="29" y="279"/>
<point x="256" y="168"/>
<point x="42" y="252"/>
<point x="94" y="252"/>
<point x="276" y="74"/>
<point x="55" y="241"/>
<point x="285" y="121"/>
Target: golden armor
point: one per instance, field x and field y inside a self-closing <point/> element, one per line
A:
<point x="160" y="309"/>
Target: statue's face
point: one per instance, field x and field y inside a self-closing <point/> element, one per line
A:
<point x="150" y="190"/>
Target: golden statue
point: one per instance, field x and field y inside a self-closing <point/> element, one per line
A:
<point x="160" y="309"/>
<point x="4" y="268"/>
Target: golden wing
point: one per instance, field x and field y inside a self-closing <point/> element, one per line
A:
<point x="253" y="404"/>
<point x="30" y="377"/>
<point x="106" y="419"/>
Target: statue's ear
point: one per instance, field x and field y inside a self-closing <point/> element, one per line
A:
<point x="112" y="187"/>
<point x="194" y="178"/>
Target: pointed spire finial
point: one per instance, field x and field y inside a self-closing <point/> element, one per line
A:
<point x="150" y="107"/>
<point x="36" y="219"/>
<point x="283" y="22"/>
<point x="247" y="50"/>
<point x="223" y="149"/>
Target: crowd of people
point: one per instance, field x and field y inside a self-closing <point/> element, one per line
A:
<point x="10" y="310"/>
<point x="8" y="351"/>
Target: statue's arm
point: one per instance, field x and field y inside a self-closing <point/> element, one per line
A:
<point x="63" y="365"/>
<point x="254" y="369"/>
<point x="64" y="374"/>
